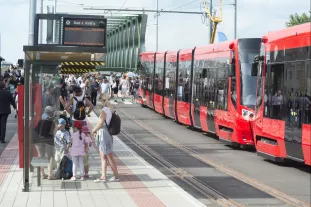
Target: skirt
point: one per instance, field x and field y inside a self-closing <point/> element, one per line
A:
<point x="106" y="143"/>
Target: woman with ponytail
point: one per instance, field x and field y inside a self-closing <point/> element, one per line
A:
<point x="79" y="148"/>
<point x="106" y="141"/>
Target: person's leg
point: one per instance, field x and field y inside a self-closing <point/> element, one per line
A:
<point x="4" y="119"/>
<point x="86" y="166"/>
<point x="81" y="166"/>
<point x="50" y="152"/>
<point x="104" y="165"/>
<point x="41" y="152"/>
<point x="113" y="165"/>
<point x="75" y="163"/>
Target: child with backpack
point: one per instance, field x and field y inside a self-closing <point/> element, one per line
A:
<point x="88" y="140"/>
<point x="78" y="150"/>
<point x="61" y="141"/>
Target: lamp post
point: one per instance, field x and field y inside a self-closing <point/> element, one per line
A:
<point x="157" y="41"/>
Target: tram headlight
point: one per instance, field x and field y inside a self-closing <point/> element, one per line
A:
<point x="247" y="115"/>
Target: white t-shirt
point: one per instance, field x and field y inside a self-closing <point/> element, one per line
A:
<point x="105" y="87"/>
<point x="108" y="115"/>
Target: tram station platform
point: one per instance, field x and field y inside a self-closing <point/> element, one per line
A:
<point x="141" y="184"/>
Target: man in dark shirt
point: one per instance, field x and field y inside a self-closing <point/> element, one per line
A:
<point x="5" y="109"/>
<point x="94" y="89"/>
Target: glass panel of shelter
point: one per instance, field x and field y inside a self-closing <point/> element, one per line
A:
<point x="45" y="105"/>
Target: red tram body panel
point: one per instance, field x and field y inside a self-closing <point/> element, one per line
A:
<point x="282" y="127"/>
<point x="184" y="70"/>
<point x="147" y="78"/>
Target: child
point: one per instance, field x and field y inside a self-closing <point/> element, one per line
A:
<point x="61" y="141"/>
<point x="88" y="140"/>
<point x="78" y="150"/>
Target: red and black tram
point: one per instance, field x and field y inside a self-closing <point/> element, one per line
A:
<point x="209" y="88"/>
<point x="282" y="127"/>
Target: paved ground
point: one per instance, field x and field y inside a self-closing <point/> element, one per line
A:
<point x="292" y="179"/>
<point x="10" y="130"/>
<point x="141" y="184"/>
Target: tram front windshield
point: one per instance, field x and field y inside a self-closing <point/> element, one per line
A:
<point x="248" y="82"/>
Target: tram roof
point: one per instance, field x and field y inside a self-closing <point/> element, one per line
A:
<point x="299" y="30"/>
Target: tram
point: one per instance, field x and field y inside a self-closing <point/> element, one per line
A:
<point x="209" y="88"/>
<point x="282" y="127"/>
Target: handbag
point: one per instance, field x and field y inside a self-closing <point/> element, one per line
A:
<point x="98" y="137"/>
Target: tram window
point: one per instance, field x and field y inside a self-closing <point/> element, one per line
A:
<point x="233" y="91"/>
<point x="276" y="92"/>
<point x="204" y="73"/>
<point x="222" y="94"/>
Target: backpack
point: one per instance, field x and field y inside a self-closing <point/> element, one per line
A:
<point x="136" y="84"/>
<point x="63" y="171"/>
<point x="45" y="130"/>
<point x="114" y="127"/>
<point x="79" y="113"/>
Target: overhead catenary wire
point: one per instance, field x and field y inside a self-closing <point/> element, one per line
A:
<point x="161" y="11"/>
<point x="121" y="6"/>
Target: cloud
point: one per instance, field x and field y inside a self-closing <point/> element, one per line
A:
<point x="255" y="18"/>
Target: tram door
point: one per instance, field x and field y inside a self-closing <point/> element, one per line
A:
<point x="210" y="94"/>
<point x="294" y="77"/>
<point x="197" y="96"/>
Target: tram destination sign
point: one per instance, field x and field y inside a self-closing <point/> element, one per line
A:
<point x="84" y="32"/>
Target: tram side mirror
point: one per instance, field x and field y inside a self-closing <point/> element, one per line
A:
<point x="254" y="71"/>
<point x="231" y="69"/>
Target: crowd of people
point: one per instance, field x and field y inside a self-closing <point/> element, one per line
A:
<point x="9" y="81"/>
<point x="67" y="101"/>
<point x="62" y="134"/>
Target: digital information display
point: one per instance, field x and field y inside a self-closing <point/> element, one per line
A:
<point x="84" y="32"/>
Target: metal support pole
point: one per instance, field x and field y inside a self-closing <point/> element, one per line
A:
<point x="210" y="21"/>
<point x="26" y="127"/>
<point x="41" y="23"/>
<point x="157" y="47"/>
<point x="32" y="14"/>
<point x="235" y="18"/>
<point x="55" y="4"/>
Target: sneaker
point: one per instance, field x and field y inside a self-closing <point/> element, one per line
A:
<point x="73" y="178"/>
<point x="114" y="179"/>
<point x="82" y="178"/>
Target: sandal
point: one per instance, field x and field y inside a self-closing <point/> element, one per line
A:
<point x="98" y="180"/>
<point x="45" y="176"/>
<point x="51" y="178"/>
<point x="114" y="179"/>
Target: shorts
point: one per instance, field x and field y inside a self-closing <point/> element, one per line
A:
<point x="86" y="160"/>
<point x="45" y="149"/>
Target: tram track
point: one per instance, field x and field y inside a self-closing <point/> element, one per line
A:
<point x="194" y="182"/>
<point x="205" y="190"/>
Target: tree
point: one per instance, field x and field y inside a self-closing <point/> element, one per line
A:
<point x="295" y="19"/>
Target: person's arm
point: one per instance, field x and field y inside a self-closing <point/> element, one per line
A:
<point x="11" y="100"/>
<point x="102" y="119"/>
<point x="62" y="101"/>
<point x="67" y="107"/>
<point x="90" y="105"/>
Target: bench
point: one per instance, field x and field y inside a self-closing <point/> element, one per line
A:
<point x="38" y="162"/>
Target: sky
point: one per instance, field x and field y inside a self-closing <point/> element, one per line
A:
<point x="176" y="31"/>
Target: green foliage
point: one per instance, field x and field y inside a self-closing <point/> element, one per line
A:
<point x="295" y="19"/>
